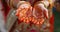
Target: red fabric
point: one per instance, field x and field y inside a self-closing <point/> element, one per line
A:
<point x="52" y="24"/>
<point x="33" y="1"/>
<point x="33" y="30"/>
<point x="6" y="9"/>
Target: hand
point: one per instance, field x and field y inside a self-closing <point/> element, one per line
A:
<point x="39" y="13"/>
<point x="24" y="12"/>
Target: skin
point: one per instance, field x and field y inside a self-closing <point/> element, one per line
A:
<point x="38" y="8"/>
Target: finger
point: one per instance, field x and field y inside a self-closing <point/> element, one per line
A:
<point x="45" y="12"/>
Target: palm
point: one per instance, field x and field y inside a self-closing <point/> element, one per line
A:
<point x="37" y="14"/>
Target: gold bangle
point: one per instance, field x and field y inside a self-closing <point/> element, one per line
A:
<point x="41" y="3"/>
<point x="22" y="2"/>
